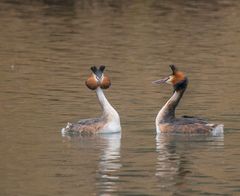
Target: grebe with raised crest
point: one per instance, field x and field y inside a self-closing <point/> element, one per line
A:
<point x="109" y="122"/>
<point x="166" y="122"/>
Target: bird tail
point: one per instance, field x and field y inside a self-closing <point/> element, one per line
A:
<point x="218" y="130"/>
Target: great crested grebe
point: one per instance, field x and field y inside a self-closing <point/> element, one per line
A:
<point x="166" y="120"/>
<point x="109" y="122"/>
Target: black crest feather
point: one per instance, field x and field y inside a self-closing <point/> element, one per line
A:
<point x="94" y="69"/>
<point x="102" y="67"/>
<point x="98" y="71"/>
<point x="174" y="68"/>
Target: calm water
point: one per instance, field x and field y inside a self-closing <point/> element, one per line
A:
<point x="46" y="49"/>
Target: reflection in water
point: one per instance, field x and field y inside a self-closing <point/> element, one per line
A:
<point x="109" y="163"/>
<point x="175" y="157"/>
<point x="109" y="159"/>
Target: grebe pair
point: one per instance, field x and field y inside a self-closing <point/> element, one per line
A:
<point x="166" y="122"/>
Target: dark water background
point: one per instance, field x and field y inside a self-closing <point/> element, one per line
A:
<point x="46" y="49"/>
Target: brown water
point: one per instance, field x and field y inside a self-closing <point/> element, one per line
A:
<point x="46" y="49"/>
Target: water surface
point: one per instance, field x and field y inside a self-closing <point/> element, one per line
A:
<point x="46" y="50"/>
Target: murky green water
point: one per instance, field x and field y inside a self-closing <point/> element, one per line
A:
<point x="46" y="49"/>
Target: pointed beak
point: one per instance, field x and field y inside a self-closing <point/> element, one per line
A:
<point x="162" y="81"/>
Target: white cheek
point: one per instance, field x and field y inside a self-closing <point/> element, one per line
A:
<point x="95" y="77"/>
<point x="169" y="81"/>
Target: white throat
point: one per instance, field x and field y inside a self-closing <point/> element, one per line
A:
<point x="113" y="119"/>
<point x="168" y="110"/>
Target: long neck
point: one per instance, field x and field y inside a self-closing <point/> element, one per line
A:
<point x="167" y="113"/>
<point x="108" y="110"/>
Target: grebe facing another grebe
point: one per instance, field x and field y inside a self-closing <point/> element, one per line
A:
<point x="109" y="122"/>
<point x="166" y="120"/>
